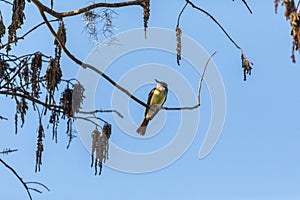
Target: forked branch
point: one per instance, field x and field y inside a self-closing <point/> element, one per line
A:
<point x="61" y="15"/>
<point x="22" y="182"/>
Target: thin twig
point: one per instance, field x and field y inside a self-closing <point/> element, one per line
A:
<point x="199" y="90"/>
<point x="88" y="120"/>
<point x="246" y="4"/>
<point x="14" y="76"/>
<point x="38" y="183"/>
<point x="102" y="111"/>
<point x="209" y="15"/>
<point x="298" y="5"/>
<point x="7" y="2"/>
<point x="61" y="15"/>
<point x="179" y="16"/>
<point x="16" y="174"/>
<point x="34" y="189"/>
<point x="28" y="32"/>
<point x="202" y="77"/>
<point x="244" y="1"/>
<point x="7" y="151"/>
<point x="98" y="118"/>
<point x="3" y="118"/>
<point x="34" y="100"/>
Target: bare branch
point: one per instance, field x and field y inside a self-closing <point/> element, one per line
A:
<point x="34" y="100"/>
<point x="7" y="2"/>
<point x="88" y="120"/>
<point x="7" y="151"/>
<point x="210" y="16"/>
<point x="85" y="65"/>
<point x="34" y="189"/>
<point x="199" y="90"/>
<point x="179" y="16"/>
<point x="38" y="183"/>
<point x="246" y="64"/>
<point x="246" y="4"/>
<point x="61" y="15"/>
<point x="3" y="118"/>
<point x="102" y="111"/>
<point x="16" y="174"/>
<point x="28" y="32"/>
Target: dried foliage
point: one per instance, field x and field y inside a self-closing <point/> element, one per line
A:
<point x="178" y="44"/>
<point x="70" y="101"/>
<point x="21" y="109"/>
<point x="40" y="148"/>
<point x="146" y="9"/>
<point x="246" y="64"/>
<point x="100" y="147"/>
<point x="291" y="14"/>
<point x="27" y="80"/>
<point x="35" y="74"/>
<point x="99" y="24"/>
<point x="3" y="69"/>
<point x="17" y="21"/>
<point x="53" y="78"/>
<point x="2" y="27"/>
<point x="77" y="97"/>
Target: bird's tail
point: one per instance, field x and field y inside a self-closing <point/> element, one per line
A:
<point x="142" y="129"/>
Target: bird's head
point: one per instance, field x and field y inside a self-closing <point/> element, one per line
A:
<point x="161" y="85"/>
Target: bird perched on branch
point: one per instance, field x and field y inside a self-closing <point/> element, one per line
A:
<point x="156" y="99"/>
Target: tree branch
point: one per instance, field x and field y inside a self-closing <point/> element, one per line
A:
<point x="7" y="151"/>
<point x="101" y="111"/>
<point x="246" y="4"/>
<point x="16" y="174"/>
<point x="246" y="64"/>
<point x="85" y="65"/>
<point x="25" y="34"/>
<point x="179" y="16"/>
<point x="210" y="16"/>
<point x="3" y="118"/>
<point x="7" y="2"/>
<point x="61" y="15"/>
<point x="34" y="100"/>
<point x="199" y="90"/>
<point x="38" y="183"/>
<point x="89" y="120"/>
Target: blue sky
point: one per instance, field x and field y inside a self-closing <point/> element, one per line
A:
<point x="257" y="155"/>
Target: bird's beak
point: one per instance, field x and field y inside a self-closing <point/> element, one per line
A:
<point x="157" y="81"/>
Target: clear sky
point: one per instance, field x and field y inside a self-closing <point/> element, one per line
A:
<point x="257" y="155"/>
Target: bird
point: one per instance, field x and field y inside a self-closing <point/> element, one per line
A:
<point x="156" y="98"/>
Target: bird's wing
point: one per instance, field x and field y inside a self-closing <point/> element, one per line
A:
<point x="149" y="99"/>
<point x="166" y="97"/>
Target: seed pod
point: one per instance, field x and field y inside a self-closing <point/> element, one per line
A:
<point x="146" y="9"/>
<point x="2" y="27"/>
<point x="53" y="75"/>
<point x="36" y="66"/>
<point x="61" y="33"/>
<point x="178" y="43"/>
<point x="107" y="130"/>
<point x="77" y="97"/>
